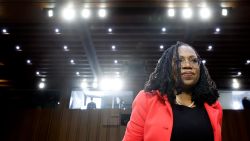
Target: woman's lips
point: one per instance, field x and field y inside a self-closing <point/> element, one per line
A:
<point x="187" y="75"/>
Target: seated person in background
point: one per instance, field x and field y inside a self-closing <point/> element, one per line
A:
<point x="246" y="103"/>
<point x="91" y="105"/>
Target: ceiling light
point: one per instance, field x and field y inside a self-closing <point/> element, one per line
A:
<point x="69" y="12"/>
<point x="235" y="84"/>
<point x="110" y="29"/>
<point x="72" y="61"/>
<point x="205" y="13"/>
<point x="43" y="79"/>
<point x="57" y="31"/>
<point x="41" y="85"/>
<point x="163" y="29"/>
<point x="50" y="13"/>
<point x="204" y="61"/>
<point x="239" y="73"/>
<point x="187" y="13"/>
<point x="28" y="61"/>
<point x="209" y="48"/>
<point x="85" y="13"/>
<point x="77" y="73"/>
<point x="18" y="48"/>
<point x="217" y="30"/>
<point x="224" y="12"/>
<point x="113" y="47"/>
<point x="171" y="12"/>
<point x="5" y="31"/>
<point x="115" y="61"/>
<point x="247" y="62"/>
<point x="161" y="47"/>
<point x="37" y="73"/>
<point x="102" y="13"/>
<point x="65" y="48"/>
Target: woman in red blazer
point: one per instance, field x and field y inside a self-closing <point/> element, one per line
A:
<point x="179" y="101"/>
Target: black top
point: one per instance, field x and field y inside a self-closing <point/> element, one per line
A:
<point x="191" y="124"/>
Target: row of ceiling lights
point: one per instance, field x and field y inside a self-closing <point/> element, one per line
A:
<point x="69" y="12"/>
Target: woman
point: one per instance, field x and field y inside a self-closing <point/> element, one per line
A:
<point x="179" y="101"/>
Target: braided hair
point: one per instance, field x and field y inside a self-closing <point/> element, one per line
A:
<point x="163" y="78"/>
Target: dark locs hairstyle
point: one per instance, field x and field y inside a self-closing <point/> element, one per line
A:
<point x="170" y="84"/>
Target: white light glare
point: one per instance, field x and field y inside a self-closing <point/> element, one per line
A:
<point x="72" y="61"/>
<point x="111" y="84"/>
<point x="113" y="47"/>
<point x="115" y="61"/>
<point x="171" y="12"/>
<point x="247" y="62"/>
<point x="84" y="84"/>
<point x="57" y="31"/>
<point x="187" y="13"/>
<point x="43" y="79"/>
<point x="235" y="84"/>
<point x="161" y="46"/>
<point x="163" y="29"/>
<point x="37" y="73"/>
<point x="205" y="13"/>
<point x="210" y="48"/>
<point x="224" y="12"/>
<point x="239" y="73"/>
<point x="5" y="31"/>
<point x="28" y="61"/>
<point x="18" y="48"/>
<point x="77" y="73"/>
<point x="217" y="29"/>
<point x="236" y="105"/>
<point x="85" y="13"/>
<point x="41" y="85"/>
<point x="102" y="13"/>
<point x="65" y="48"/>
<point x="50" y="13"/>
<point x="69" y="12"/>
<point x="204" y="61"/>
<point x="110" y="29"/>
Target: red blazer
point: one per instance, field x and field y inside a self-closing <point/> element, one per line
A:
<point x="152" y="118"/>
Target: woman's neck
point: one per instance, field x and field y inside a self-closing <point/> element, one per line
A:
<point x="185" y="99"/>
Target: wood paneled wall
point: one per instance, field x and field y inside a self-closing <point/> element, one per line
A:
<point x="93" y="125"/>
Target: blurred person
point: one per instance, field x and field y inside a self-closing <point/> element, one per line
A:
<point x="245" y="103"/>
<point x="179" y="101"/>
<point x="91" y="104"/>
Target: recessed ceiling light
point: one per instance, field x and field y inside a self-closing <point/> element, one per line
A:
<point x="65" y="48"/>
<point x="110" y="30"/>
<point x="205" y="13"/>
<point x="28" y="61"/>
<point x="43" y="79"/>
<point x="57" y="30"/>
<point x="115" y="61"/>
<point x="239" y="73"/>
<point x="50" y="13"/>
<point x="163" y="29"/>
<point x="210" y="48"/>
<point x="72" y="61"/>
<point x="171" y="12"/>
<point x="41" y="85"/>
<point x="217" y="30"/>
<point x="204" y="61"/>
<point x="102" y="13"/>
<point x="247" y="62"/>
<point x="224" y="12"/>
<point x="4" y="31"/>
<point x="161" y="47"/>
<point x="85" y="13"/>
<point x="113" y="47"/>
<point x="77" y="73"/>
<point x="37" y="73"/>
<point x="187" y="13"/>
<point x="69" y="12"/>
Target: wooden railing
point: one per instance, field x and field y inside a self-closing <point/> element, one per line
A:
<point x="93" y="125"/>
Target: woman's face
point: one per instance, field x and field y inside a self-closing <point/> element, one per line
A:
<point x="190" y="67"/>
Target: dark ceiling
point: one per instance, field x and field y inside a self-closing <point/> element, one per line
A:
<point x="136" y="33"/>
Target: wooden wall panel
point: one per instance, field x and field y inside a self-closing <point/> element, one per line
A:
<point x="94" y="125"/>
